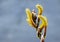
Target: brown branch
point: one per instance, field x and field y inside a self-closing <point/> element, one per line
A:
<point x="42" y="39"/>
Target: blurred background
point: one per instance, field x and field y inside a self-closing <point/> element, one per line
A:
<point x="13" y="24"/>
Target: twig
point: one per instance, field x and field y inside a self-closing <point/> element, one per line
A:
<point x="42" y="39"/>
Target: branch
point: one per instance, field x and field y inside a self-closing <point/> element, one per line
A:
<point x="42" y="39"/>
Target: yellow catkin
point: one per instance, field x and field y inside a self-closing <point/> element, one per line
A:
<point x="40" y="16"/>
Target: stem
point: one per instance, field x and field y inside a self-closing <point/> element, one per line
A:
<point x="42" y="39"/>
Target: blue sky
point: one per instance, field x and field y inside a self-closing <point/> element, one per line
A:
<point x="13" y="24"/>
